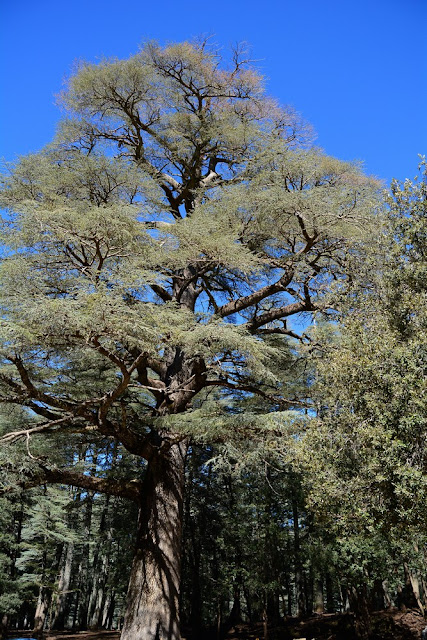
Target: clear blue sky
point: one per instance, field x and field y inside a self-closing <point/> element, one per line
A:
<point x="357" y="70"/>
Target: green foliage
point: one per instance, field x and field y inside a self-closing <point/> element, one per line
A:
<point x="179" y="217"/>
<point x="10" y="592"/>
<point x="153" y="257"/>
<point x="364" y="456"/>
<point x="239" y="550"/>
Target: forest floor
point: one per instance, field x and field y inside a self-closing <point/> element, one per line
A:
<point x="386" y="625"/>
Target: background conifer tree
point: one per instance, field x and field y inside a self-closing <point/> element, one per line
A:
<point x="365" y="453"/>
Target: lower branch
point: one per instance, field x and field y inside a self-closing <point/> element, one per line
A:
<point x="43" y="474"/>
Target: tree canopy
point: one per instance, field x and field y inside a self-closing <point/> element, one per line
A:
<point x="155" y="255"/>
<point x="175" y="214"/>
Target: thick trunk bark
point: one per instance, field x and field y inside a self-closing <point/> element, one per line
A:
<point x="152" y="608"/>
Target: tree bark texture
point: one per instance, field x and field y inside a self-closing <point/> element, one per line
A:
<point x="152" y="608"/>
<point x="359" y="605"/>
<point x="100" y="568"/>
<point x="63" y="587"/>
<point x="108" y="612"/>
<point x="414" y="583"/>
<point x="318" y="595"/>
<point x="43" y="603"/>
<point x="84" y="577"/>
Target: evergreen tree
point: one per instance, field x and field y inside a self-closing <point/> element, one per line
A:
<point x="153" y="252"/>
<point x="365" y="454"/>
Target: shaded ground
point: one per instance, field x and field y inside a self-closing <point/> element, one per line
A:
<point x="387" y="625"/>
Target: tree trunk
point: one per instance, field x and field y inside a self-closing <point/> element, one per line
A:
<point x="193" y="561"/>
<point x="98" y="595"/>
<point x="196" y="602"/>
<point x="97" y="606"/>
<point x="248" y="601"/>
<point x="424" y="581"/>
<point x="265" y="623"/>
<point x="3" y="627"/>
<point x="378" y="597"/>
<point x="45" y="593"/>
<point x="84" y="576"/>
<point x="318" y="595"/>
<point x="299" y="576"/>
<point x="100" y="568"/>
<point x="76" y="609"/>
<point x="219" y="620"/>
<point x="330" y="604"/>
<point x="289" y="593"/>
<point x="152" y="607"/>
<point x="412" y="580"/>
<point x="108" y="612"/>
<point x="42" y="608"/>
<point x="235" y="616"/>
<point x="63" y="587"/>
<point x="359" y="605"/>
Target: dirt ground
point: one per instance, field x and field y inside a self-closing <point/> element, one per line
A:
<point x="386" y="625"/>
